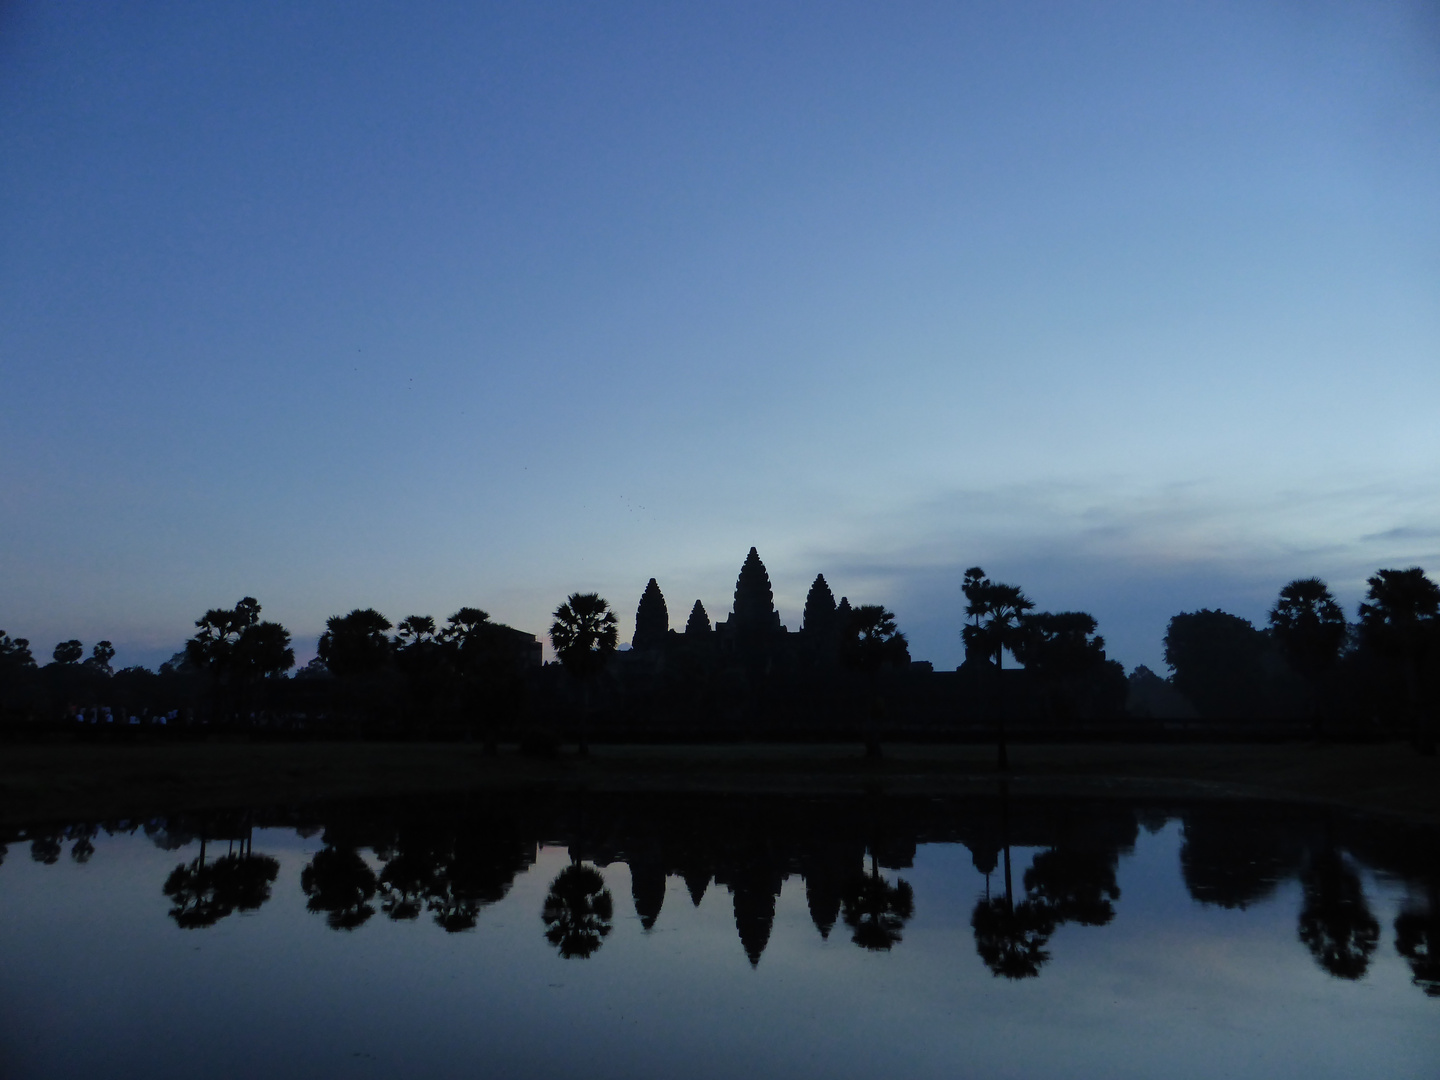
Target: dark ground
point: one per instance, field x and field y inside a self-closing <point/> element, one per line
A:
<point x="55" y="782"/>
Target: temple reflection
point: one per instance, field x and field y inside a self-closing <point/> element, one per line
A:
<point x="446" y="860"/>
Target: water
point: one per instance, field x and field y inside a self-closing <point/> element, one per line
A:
<point x="647" y="936"/>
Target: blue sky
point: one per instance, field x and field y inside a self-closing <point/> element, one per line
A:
<point x="416" y="306"/>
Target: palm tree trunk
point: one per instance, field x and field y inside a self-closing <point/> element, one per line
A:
<point x="1421" y="731"/>
<point x="584" y="748"/>
<point x="877" y="709"/>
<point x="1002" y="754"/>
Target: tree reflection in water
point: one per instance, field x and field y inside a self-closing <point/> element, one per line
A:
<point x="204" y="894"/>
<point x="1335" y="922"/>
<point x="877" y="911"/>
<point x="407" y="881"/>
<point x="1011" y="937"/>
<point x="1417" y="939"/>
<point x="577" y="911"/>
<point x="451" y="858"/>
<point x="340" y="885"/>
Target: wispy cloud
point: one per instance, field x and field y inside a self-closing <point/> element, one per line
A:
<point x="1131" y="556"/>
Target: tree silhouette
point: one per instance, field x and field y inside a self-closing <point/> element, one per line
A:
<point x="68" y="652"/>
<point x="15" y="652"/>
<point x="652" y="620"/>
<point x="425" y="662"/>
<point x="1232" y="861"/>
<point x="84" y="846"/>
<point x="488" y="670"/>
<point x="406" y="880"/>
<point x="1219" y="663"/>
<point x="1309" y="626"/>
<point x="996" y="611"/>
<point x="237" y="650"/>
<point x="1335" y="921"/>
<point x="45" y="849"/>
<point x="212" y="649"/>
<point x="191" y="888"/>
<point x="869" y="643"/>
<point x="242" y="880"/>
<point x="17" y="668"/>
<point x="1074" y="885"/>
<point x="479" y="872"/>
<point x="1011" y="937"/>
<point x="204" y="894"/>
<point x="1066" y="658"/>
<point x="100" y="657"/>
<point x="264" y="651"/>
<point x="1417" y="939"/>
<point x="340" y="886"/>
<point x="1401" y="619"/>
<point x="584" y="636"/>
<point x="355" y="645"/>
<point x="415" y="630"/>
<point x="577" y="912"/>
<point x="876" y="910"/>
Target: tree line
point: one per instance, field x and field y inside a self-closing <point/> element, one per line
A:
<point x="447" y="861"/>
<point x="471" y="677"/>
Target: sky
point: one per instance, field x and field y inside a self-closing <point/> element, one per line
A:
<point x="342" y="305"/>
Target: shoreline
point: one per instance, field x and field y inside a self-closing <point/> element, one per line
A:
<point x="69" y="782"/>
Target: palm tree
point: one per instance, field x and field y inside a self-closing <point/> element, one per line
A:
<point x="577" y="911"/>
<point x="1401" y="618"/>
<point x="869" y="642"/>
<point x="584" y="636"/>
<point x="998" y="612"/>
<point x="876" y="910"/>
<point x="1309" y="626"/>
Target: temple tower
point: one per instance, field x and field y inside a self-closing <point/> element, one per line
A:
<point x="754" y="600"/>
<point x="652" y="620"/>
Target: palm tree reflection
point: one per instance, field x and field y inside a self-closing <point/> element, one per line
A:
<point x="340" y="885"/>
<point x="1417" y="939"/>
<point x="876" y="910"/>
<point x="1335" y="922"/>
<point x="1010" y="937"/>
<point x="204" y="894"/>
<point x="577" y="911"/>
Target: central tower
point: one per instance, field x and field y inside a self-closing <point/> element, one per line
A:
<point x="754" y="600"/>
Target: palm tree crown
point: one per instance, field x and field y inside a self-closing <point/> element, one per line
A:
<point x="584" y="633"/>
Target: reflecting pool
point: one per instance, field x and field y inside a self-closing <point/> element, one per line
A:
<point x="592" y="935"/>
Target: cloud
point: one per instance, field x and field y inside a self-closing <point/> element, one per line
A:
<point x="1406" y="532"/>
<point x="1132" y="556"/>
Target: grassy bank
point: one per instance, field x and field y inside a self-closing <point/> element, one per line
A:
<point x="54" y="782"/>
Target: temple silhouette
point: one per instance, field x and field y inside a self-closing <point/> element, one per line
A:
<point x="445" y="859"/>
<point x="752" y="633"/>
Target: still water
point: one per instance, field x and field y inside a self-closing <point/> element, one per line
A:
<point x="649" y="936"/>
